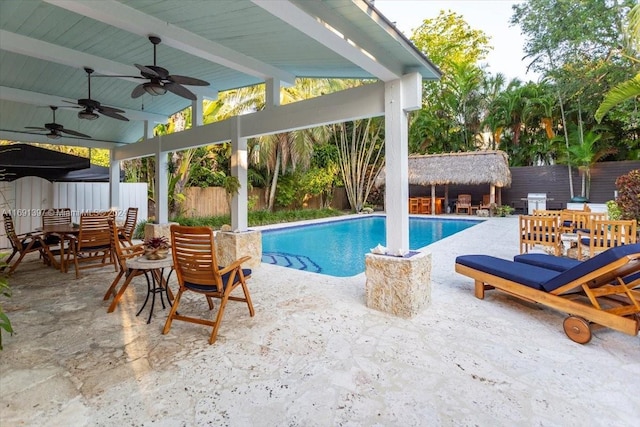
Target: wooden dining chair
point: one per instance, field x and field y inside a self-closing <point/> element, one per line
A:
<point x="129" y="228"/>
<point x="605" y="234"/>
<point x="122" y="253"/>
<point x="24" y="244"/>
<point x="92" y="246"/>
<point x="464" y="203"/>
<point x="55" y="216"/>
<point x="196" y="266"/>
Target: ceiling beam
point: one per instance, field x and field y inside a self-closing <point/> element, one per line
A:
<point x="32" y="137"/>
<point x="46" y="51"/>
<point x="43" y="99"/>
<point x="132" y="20"/>
<point x="321" y="31"/>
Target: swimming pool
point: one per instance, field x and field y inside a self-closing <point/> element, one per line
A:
<point x="337" y="248"/>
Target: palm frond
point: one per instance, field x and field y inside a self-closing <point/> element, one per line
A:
<point x="620" y="93"/>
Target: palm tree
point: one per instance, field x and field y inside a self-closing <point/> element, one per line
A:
<point x="629" y="89"/>
<point x="585" y="153"/>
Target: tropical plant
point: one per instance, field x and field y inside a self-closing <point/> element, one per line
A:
<point x="160" y="242"/>
<point x="629" y="195"/>
<point x="5" y="291"/>
<point x="629" y="89"/>
<point x="361" y="157"/>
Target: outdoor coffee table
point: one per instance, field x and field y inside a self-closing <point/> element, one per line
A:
<point x="569" y="241"/>
<point x="158" y="283"/>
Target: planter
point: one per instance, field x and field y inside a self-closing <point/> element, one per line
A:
<point x="156" y="253"/>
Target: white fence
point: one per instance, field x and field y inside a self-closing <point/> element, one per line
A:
<point x="26" y="198"/>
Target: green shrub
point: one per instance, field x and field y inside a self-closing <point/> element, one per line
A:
<point x="260" y="217"/>
<point x="628" y="200"/>
<point x="5" y="291"/>
<point x="504" y="210"/>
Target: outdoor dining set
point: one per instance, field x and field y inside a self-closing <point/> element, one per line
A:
<point x="99" y="241"/>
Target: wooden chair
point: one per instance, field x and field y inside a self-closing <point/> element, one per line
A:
<point x="605" y="234"/>
<point x="486" y="202"/>
<point x="464" y="203"/>
<point x="24" y="244"/>
<point x="424" y="206"/>
<point x="57" y="216"/>
<point x="539" y="231"/>
<point x="197" y="270"/>
<point x="122" y="253"/>
<point x="414" y="205"/>
<point x="93" y="243"/>
<point x="129" y="228"/>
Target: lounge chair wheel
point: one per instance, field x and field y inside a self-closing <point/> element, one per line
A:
<point x="577" y="329"/>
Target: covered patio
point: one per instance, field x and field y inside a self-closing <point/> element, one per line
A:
<point x="313" y="355"/>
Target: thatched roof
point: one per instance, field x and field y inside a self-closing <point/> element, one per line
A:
<point x="478" y="167"/>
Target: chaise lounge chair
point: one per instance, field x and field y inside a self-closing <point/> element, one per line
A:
<point x="601" y="290"/>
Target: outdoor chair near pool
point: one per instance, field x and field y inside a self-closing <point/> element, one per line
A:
<point x="92" y="246"/>
<point x="605" y="234"/>
<point x="194" y="261"/>
<point x="24" y="244"/>
<point x="602" y="290"/>
<point x="539" y="230"/>
<point x="128" y="229"/>
<point x="464" y="204"/>
<point x="122" y="253"/>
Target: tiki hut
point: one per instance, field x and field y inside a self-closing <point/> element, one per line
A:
<point x="471" y="168"/>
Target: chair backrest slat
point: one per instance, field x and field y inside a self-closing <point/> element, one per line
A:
<point x="94" y="230"/>
<point x="10" y="229"/>
<point x="194" y="255"/>
<point x="57" y="216"/>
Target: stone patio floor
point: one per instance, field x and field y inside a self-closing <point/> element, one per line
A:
<point x="313" y="355"/>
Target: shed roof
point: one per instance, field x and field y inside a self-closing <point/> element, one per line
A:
<point x="478" y="167"/>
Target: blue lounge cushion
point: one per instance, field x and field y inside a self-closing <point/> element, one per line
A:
<point x="213" y="288"/>
<point x="525" y="274"/>
<point x="549" y="262"/>
<point x="592" y="264"/>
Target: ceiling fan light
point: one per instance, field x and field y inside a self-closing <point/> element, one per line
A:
<point x="154" y="89"/>
<point x="87" y="115"/>
<point x="52" y="135"/>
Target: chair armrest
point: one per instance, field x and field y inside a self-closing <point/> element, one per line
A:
<point x="235" y="264"/>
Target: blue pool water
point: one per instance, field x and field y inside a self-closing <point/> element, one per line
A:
<point x="337" y="248"/>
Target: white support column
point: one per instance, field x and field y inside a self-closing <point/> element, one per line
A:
<point x="239" y="166"/>
<point x="196" y="112"/>
<point x="400" y="96"/>
<point x="162" y="185"/>
<point x="114" y="182"/>
<point x="272" y="93"/>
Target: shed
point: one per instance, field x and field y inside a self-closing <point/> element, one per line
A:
<point x="470" y="168"/>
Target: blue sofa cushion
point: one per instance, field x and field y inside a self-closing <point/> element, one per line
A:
<point x="525" y="274"/>
<point x="549" y="262"/>
<point x="592" y="264"/>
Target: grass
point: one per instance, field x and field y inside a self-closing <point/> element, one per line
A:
<point x="255" y="218"/>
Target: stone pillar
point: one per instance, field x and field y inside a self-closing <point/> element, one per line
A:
<point x="398" y="285"/>
<point x="233" y="245"/>
<point x="158" y="230"/>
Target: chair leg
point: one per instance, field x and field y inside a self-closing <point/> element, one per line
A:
<point x="245" y="290"/>
<point x="172" y="313"/>
<point x="216" y="326"/>
<point x="15" y="264"/>
<point x="116" y="299"/>
<point x="112" y="288"/>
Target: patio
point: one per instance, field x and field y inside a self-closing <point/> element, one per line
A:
<point x="314" y="354"/>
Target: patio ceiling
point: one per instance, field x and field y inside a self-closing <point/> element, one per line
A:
<point x="44" y="46"/>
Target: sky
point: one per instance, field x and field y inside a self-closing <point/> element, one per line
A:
<point x="490" y="16"/>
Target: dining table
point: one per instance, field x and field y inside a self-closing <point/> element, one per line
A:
<point x="64" y="232"/>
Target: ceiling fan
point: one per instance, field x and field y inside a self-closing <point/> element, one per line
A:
<point x="91" y="107"/>
<point x="56" y="130"/>
<point x="160" y="81"/>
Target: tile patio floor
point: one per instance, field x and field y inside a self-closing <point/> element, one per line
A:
<point x="314" y="355"/>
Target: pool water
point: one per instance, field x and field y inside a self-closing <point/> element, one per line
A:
<point x="337" y="248"/>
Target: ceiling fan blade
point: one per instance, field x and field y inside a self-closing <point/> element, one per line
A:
<point x="191" y="81"/>
<point x="180" y="90"/>
<point x="75" y="104"/>
<point x="163" y="73"/>
<point x="35" y="128"/>
<point x="104" y="108"/>
<point x="138" y="91"/>
<point x="74" y="133"/>
<point x="147" y="70"/>
<point x="113" y="115"/>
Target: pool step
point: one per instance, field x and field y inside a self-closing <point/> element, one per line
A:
<point x="299" y="262"/>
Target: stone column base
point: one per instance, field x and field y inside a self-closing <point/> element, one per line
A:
<point x="158" y="230"/>
<point x="398" y="285"/>
<point x="230" y="246"/>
